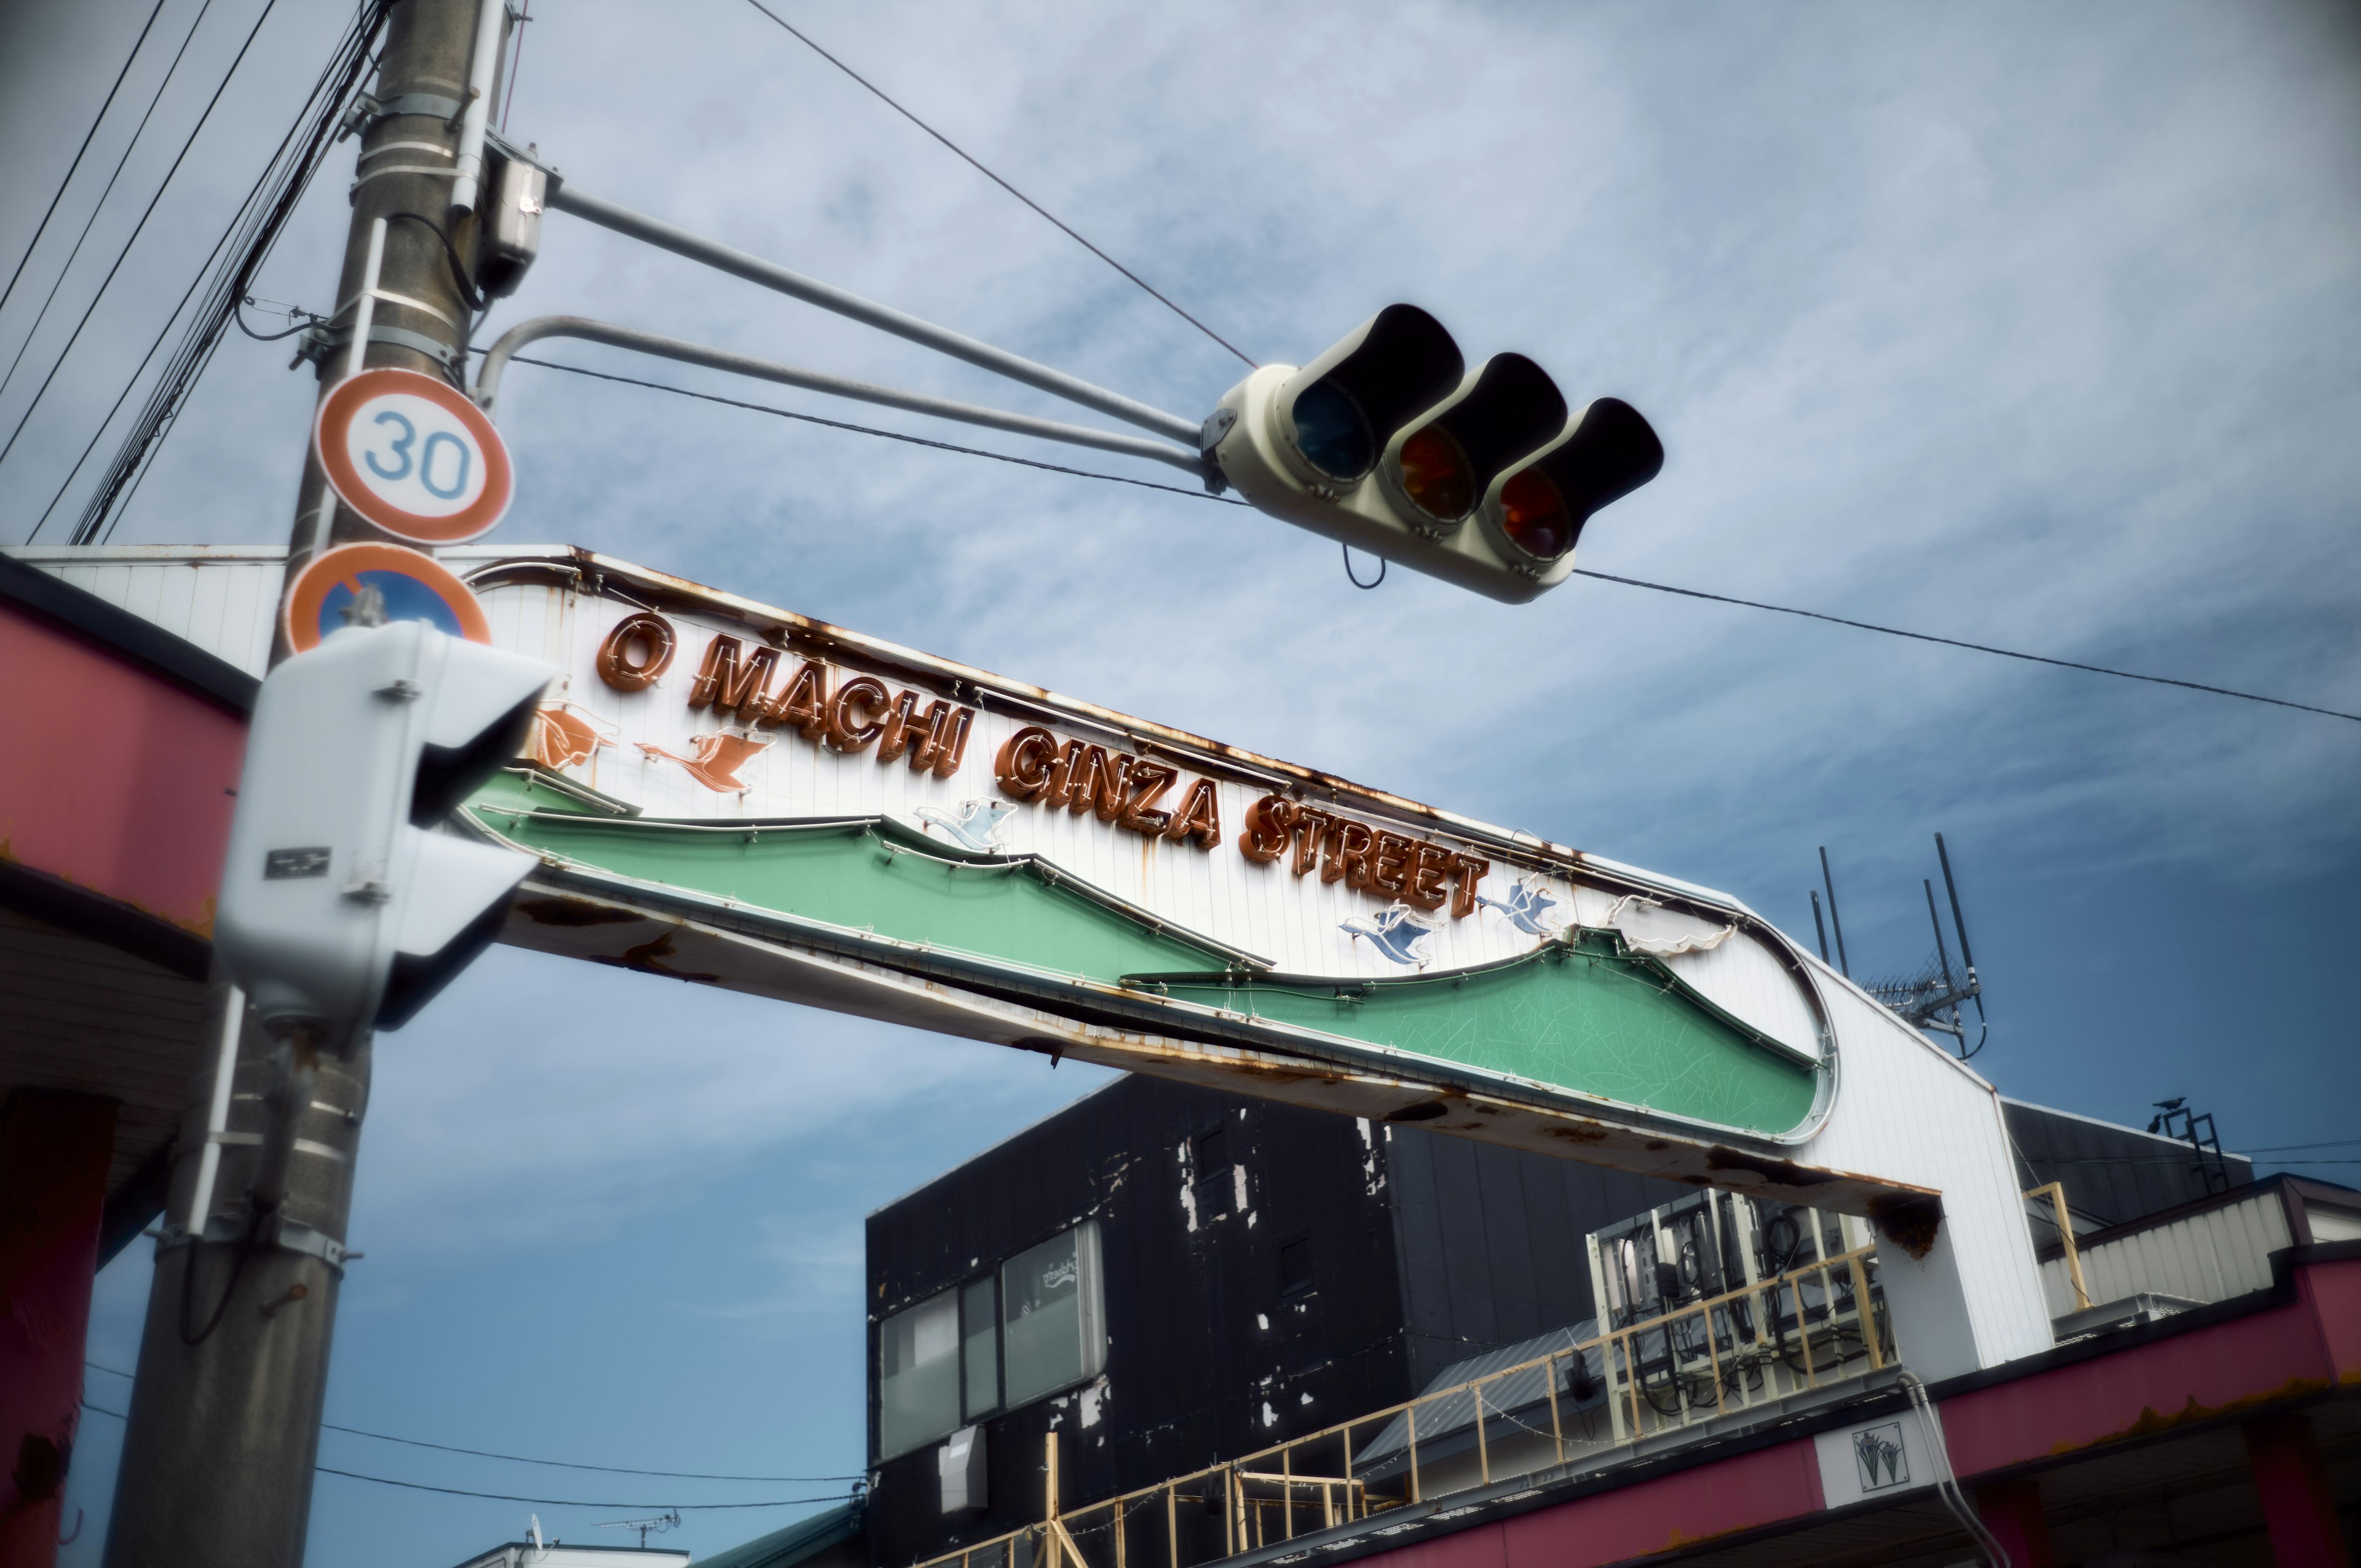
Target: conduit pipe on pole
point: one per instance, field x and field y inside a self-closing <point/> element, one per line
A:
<point x="483" y="83"/>
<point x="488" y="386"/>
<point x="565" y="197"/>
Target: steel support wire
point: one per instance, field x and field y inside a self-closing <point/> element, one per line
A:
<point x="564" y="198"/>
<point x="488" y="386"/>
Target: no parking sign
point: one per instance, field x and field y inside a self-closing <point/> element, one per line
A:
<point x="410" y="586"/>
<point x="414" y="456"/>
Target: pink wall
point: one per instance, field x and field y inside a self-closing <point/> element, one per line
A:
<point x="112" y="777"/>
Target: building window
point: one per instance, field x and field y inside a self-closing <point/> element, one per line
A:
<point x="980" y="1347"/>
<point x="1295" y="1266"/>
<point x="1053" y="1332"/>
<point x="917" y="1375"/>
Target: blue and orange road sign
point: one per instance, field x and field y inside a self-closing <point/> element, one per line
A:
<point x="415" y="588"/>
<point x="414" y="456"/>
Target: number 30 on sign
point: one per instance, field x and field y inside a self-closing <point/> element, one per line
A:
<point x="414" y="456"/>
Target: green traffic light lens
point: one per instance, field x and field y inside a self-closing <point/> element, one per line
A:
<point x="1436" y="474"/>
<point x="1332" y="432"/>
<point x="1533" y="515"/>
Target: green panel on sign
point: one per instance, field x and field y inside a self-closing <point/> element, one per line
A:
<point x="1581" y="1014"/>
<point x="866" y="875"/>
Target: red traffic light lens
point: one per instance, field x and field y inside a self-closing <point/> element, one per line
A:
<point x="1436" y="474"/>
<point x="1533" y="515"/>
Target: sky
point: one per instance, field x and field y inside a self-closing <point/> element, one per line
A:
<point x="2029" y="326"/>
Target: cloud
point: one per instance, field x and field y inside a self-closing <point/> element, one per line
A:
<point x="540" y="1099"/>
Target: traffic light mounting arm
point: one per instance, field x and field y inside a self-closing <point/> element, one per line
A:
<point x="488" y="386"/>
<point x="565" y="197"/>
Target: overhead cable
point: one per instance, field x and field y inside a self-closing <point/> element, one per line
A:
<point x="805" y="39"/>
<point x="100" y="205"/>
<point x="1972" y="647"/>
<point x="522" y="1459"/>
<point x="75" y="166"/>
<point x="1579" y="572"/>
<point x="245" y="242"/>
<point x="544" y="1502"/>
<point x="178" y="159"/>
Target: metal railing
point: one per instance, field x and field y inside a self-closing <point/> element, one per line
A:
<point x="1816" y="1324"/>
<point x="2055" y="1192"/>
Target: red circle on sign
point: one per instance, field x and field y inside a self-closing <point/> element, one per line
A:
<point x="329" y="431"/>
<point x="415" y="587"/>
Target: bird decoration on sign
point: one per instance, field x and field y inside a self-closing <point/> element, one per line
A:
<point x="564" y="737"/>
<point x="1395" y="933"/>
<point x="718" y="758"/>
<point x="973" y="824"/>
<point x="1524" y="906"/>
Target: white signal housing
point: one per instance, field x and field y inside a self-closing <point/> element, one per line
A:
<point x="342" y="905"/>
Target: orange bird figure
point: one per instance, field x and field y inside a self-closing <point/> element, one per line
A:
<point x="561" y="740"/>
<point x="718" y="758"/>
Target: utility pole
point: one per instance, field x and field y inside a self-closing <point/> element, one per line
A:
<point x="217" y="1464"/>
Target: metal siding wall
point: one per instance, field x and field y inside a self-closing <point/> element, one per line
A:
<point x="219" y="597"/>
<point x="1202" y="1342"/>
<point x="1909" y="1111"/>
<point x="2208" y="1256"/>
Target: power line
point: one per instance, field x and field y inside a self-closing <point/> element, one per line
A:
<point x="1579" y="572"/>
<point x="75" y="166"/>
<point x="522" y="1459"/>
<point x="544" y="1502"/>
<point x="252" y="232"/>
<point x="1973" y="647"/>
<point x="180" y="157"/>
<point x="100" y="205"/>
<point x="806" y="40"/>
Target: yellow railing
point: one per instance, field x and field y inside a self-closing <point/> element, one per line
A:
<point x="2055" y="1192"/>
<point x="1711" y="1356"/>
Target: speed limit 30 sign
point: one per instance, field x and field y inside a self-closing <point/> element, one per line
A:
<point x="414" y="456"/>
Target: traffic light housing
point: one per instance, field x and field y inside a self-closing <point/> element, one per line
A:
<point x="341" y="905"/>
<point x="1388" y="442"/>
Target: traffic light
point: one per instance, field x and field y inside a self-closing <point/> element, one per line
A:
<point x="1386" y="442"/>
<point x="340" y="904"/>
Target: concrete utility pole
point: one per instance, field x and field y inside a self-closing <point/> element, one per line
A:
<point x="217" y="1464"/>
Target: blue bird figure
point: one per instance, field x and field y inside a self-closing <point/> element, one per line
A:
<point x="1395" y="933"/>
<point x="976" y="823"/>
<point x="1524" y="907"/>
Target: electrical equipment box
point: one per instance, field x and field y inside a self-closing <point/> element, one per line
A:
<point x="509" y="235"/>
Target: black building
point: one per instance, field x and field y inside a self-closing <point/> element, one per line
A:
<point x="1167" y="1277"/>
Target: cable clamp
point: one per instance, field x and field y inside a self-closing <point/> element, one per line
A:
<point x="288" y="1235"/>
<point x="367" y="110"/>
<point x="320" y="342"/>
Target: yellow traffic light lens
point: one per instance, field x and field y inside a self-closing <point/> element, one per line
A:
<point x="1533" y="515"/>
<point x="1436" y="474"/>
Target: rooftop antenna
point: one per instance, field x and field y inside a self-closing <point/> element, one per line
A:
<point x="1819" y="927"/>
<point x="669" y="1519"/>
<point x="1930" y="999"/>
<point x="1843" y="964"/>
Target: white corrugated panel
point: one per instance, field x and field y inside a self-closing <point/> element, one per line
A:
<point x="1909" y="1111"/>
<point x="2208" y="1256"/>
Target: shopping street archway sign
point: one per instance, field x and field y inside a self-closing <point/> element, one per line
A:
<point x="723" y="792"/>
